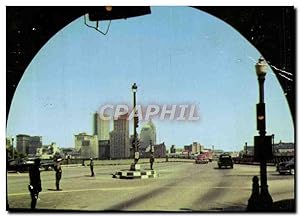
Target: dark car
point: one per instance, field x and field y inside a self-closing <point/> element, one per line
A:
<point x="286" y="167"/>
<point x="225" y="160"/>
<point x="19" y="165"/>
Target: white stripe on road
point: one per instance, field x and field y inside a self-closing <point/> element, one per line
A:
<point x="79" y="190"/>
<point x="119" y="189"/>
<point x="231" y="187"/>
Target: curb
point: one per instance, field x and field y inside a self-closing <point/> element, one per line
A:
<point x="135" y="174"/>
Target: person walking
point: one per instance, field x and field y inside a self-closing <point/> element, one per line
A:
<point x="92" y="167"/>
<point x="58" y="173"/>
<point x="35" y="185"/>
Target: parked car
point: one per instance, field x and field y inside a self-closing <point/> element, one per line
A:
<point x="19" y="165"/>
<point x="22" y="164"/>
<point x="286" y="167"/>
<point x="225" y="160"/>
<point x="47" y="164"/>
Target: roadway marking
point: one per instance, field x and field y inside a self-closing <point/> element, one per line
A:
<point x="231" y="187"/>
<point x="119" y="189"/>
<point x="79" y="190"/>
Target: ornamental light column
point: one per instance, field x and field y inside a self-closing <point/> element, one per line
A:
<point x="261" y="71"/>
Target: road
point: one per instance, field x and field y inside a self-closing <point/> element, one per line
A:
<point x="181" y="186"/>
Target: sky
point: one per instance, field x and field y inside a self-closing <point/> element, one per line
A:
<point x="175" y="55"/>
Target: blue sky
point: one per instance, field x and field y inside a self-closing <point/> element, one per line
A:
<point x="175" y="55"/>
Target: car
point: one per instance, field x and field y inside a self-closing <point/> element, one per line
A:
<point x="225" y="160"/>
<point x="201" y="160"/>
<point x="19" y="165"/>
<point x="47" y="164"/>
<point x="286" y="167"/>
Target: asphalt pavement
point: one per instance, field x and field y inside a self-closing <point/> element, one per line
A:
<point x="181" y="186"/>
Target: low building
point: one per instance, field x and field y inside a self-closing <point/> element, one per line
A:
<point x="217" y="153"/>
<point x="71" y="153"/>
<point x="187" y="148"/>
<point x="284" y="148"/>
<point x="48" y="151"/>
<point x="9" y="142"/>
<point x="160" y="150"/>
<point x="87" y="145"/>
<point x="248" y="150"/>
<point x="27" y="144"/>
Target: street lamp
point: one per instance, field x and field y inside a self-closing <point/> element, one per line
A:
<point x="135" y="125"/>
<point x="262" y="142"/>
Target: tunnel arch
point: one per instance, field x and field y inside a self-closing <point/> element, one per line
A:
<point x="29" y="28"/>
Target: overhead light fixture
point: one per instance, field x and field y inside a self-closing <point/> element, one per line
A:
<point x="97" y="26"/>
<point x="109" y="13"/>
<point x="108" y="8"/>
<point x="117" y="12"/>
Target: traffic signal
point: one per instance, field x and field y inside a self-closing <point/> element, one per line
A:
<point x="261" y="116"/>
<point x="263" y="148"/>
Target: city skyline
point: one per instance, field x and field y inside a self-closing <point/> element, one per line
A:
<point x="224" y="87"/>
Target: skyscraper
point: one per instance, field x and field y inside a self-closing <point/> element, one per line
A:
<point x="101" y="127"/>
<point x="197" y="148"/>
<point x="147" y="136"/>
<point x="119" y="138"/>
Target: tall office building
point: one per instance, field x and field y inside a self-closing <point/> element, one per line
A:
<point x="101" y="127"/>
<point x="197" y="148"/>
<point x="87" y="145"/>
<point x="104" y="149"/>
<point x="28" y="144"/>
<point x="119" y="138"/>
<point x="147" y="136"/>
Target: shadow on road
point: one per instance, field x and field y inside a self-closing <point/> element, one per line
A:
<point x="287" y="205"/>
<point x="223" y="168"/>
<point x="233" y="208"/>
<point x="186" y="209"/>
<point x="277" y="174"/>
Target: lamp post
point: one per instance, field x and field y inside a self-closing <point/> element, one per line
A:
<point x="135" y="125"/>
<point x="265" y="197"/>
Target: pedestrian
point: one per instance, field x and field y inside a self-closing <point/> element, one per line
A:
<point x="151" y="161"/>
<point x="58" y="172"/>
<point x="92" y="167"/>
<point x="35" y="185"/>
